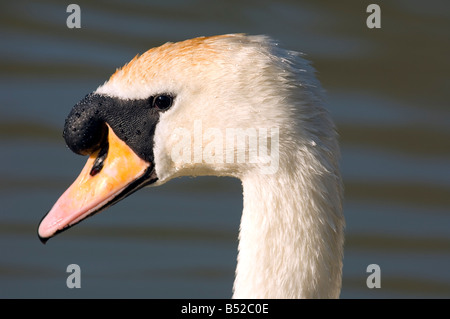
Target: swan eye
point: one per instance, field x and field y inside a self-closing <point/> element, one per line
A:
<point x="162" y="102"/>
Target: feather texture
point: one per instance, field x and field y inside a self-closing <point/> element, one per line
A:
<point x="292" y="228"/>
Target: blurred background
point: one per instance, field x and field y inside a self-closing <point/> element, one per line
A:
<point x="388" y="91"/>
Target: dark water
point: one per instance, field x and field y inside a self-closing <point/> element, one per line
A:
<point x="388" y="91"/>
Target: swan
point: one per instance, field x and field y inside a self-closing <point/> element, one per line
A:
<point x="178" y="110"/>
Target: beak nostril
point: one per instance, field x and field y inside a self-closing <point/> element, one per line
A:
<point x="100" y="160"/>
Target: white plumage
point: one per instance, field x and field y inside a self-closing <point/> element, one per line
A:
<point x="292" y="227"/>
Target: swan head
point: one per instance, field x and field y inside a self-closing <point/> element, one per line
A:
<point x="231" y="105"/>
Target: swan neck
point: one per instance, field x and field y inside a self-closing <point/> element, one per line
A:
<point x="291" y="236"/>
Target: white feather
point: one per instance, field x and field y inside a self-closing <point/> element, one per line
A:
<point x="292" y="228"/>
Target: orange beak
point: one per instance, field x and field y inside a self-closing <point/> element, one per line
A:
<point x="109" y="175"/>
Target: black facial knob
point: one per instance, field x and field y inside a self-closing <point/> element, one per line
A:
<point x="85" y="130"/>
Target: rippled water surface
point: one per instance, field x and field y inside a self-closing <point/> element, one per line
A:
<point x="388" y="91"/>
